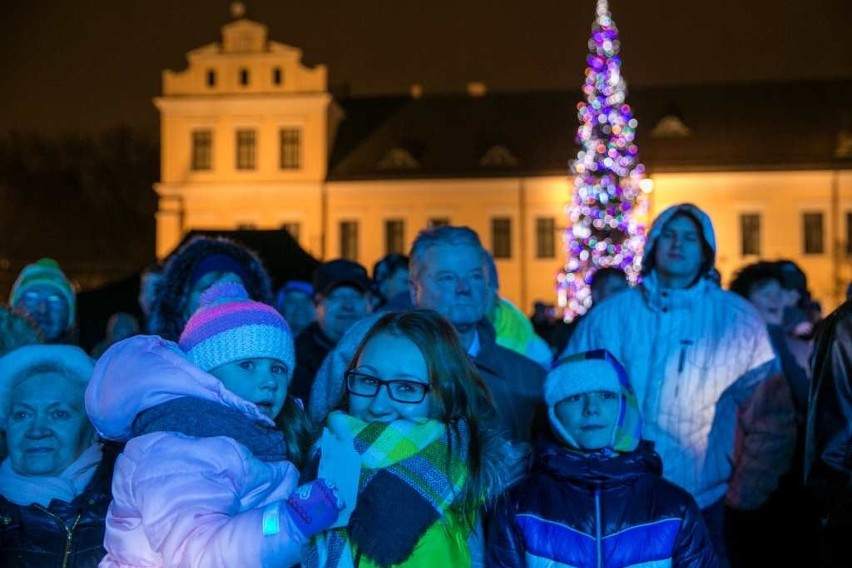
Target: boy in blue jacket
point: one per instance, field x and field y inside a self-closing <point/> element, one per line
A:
<point x="596" y="496"/>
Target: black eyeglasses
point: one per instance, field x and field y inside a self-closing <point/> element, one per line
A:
<point x="361" y="384"/>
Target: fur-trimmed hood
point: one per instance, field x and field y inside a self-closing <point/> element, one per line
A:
<point x="167" y="319"/>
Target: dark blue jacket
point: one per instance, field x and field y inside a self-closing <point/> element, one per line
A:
<point x="580" y="509"/>
<point x="62" y="535"/>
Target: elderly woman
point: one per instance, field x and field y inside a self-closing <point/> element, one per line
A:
<point x="54" y="484"/>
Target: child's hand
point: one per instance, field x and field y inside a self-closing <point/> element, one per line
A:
<point x="314" y="506"/>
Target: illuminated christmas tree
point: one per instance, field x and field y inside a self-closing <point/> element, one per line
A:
<point x="607" y="212"/>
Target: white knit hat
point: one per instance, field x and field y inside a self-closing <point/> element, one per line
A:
<point x="577" y="375"/>
<point x="78" y="365"/>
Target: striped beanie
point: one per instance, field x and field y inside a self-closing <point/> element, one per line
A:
<point x="228" y="327"/>
<point x="46" y="272"/>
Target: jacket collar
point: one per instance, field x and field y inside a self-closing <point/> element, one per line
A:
<point x="669" y="300"/>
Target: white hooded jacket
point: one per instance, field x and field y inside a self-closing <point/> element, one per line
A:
<point x="709" y="386"/>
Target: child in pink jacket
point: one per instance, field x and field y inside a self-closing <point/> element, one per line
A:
<point x="204" y="478"/>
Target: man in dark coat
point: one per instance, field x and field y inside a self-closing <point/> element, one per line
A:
<point x="341" y="298"/>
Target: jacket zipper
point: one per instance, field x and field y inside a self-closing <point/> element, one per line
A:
<point x="598" y="538"/>
<point x="69" y="533"/>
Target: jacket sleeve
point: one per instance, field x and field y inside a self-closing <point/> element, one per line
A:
<point x="504" y="544"/>
<point x="194" y="513"/>
<point x="766" y="427"/>
<point x="828" y="448"/>
<point x="693" y="548"/>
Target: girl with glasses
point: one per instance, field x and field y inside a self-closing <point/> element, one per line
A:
<point x="414" y="407"/>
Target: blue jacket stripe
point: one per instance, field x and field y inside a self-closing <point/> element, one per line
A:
<point x="565" y="545"/>
<point x="642" y="543"/>
<point x="650" y="544"/>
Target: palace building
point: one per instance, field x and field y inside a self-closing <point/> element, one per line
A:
<point x="253" y="139"/>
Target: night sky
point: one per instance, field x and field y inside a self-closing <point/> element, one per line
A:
<point x="85" y="65"/>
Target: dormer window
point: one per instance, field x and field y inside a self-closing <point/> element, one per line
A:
<point x="277" y="76"/>
<point x="498" y="157"/>
<point x="211" y="78"/>
<point x="398" y="159"/>
<point x="244" y="77"/>
<point x="671" y="126"/>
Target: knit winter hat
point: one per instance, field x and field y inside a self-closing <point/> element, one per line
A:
<point x="596" y="370"/>
<point x="46" y="272"/>
<point x="228" y="327"/>
<point x="73" y="361"/>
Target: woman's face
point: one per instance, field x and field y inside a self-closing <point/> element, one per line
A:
<point x="390" y="358"/>
<point x="194" y="294"/>
<point x="46" y="427"/>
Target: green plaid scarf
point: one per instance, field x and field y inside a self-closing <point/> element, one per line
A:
<point x="422" y="465"/>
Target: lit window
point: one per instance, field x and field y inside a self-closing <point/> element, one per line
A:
<point x="202" y="150"/>
<point x="501" y="237"/>
<point x="245" y="149"/>
<point x="813" y="233"/>
<point x="290" y="148"/>
<point x="395" y="236"/>
<point x="545" y="237"/>
<point x="349" y="240"/>
<point x="750" y="234"/>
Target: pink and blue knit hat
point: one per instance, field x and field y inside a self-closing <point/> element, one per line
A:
<point x="228" y="327"/>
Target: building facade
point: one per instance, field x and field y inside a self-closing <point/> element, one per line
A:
<point x="251" y="138"/>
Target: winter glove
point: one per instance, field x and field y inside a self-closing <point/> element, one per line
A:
<point x="314" y="506"/>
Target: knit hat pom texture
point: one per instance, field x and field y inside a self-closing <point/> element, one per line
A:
<point x="228" y="326"/>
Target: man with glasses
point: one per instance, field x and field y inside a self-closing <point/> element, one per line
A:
<point x="48" y="297"/>
<point x="341" y="298"/>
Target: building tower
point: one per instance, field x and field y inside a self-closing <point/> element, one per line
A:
<point x="245" y="132"/>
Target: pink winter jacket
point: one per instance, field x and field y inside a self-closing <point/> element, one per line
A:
<point x="179" y="500"/>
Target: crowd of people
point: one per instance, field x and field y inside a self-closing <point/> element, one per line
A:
<point x="413" y="416"/>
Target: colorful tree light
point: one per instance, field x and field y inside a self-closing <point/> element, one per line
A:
<point x="608" y="210"/>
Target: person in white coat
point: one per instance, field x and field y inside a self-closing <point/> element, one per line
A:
<point x="708" y="383"/>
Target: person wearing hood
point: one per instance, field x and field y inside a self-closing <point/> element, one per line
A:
<point x="195" y="267"/>
<point x="708" y="383"/>
<point x="596" y="496"/>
